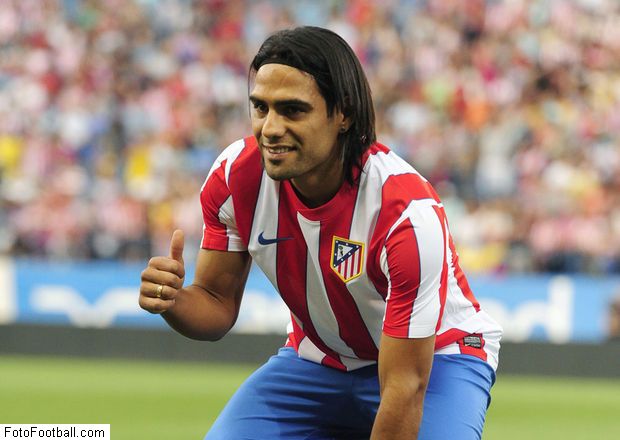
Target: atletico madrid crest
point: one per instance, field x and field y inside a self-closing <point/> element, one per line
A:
<point x="347" y="258"/>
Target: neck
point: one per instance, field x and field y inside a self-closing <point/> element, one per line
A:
<point x="318" y="190"/>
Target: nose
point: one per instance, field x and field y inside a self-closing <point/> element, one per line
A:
<point x="273" y="126"/>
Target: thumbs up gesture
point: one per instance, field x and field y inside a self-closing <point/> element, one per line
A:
<point x="163" y="277"/>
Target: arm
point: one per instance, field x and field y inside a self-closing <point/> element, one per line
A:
<point x="209" y="307"/>
<point x="404" y="369"/>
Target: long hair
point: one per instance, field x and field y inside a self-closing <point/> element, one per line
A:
<point x="339" y="76"/>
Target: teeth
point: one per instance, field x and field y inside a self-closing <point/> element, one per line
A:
<point x="278" y="150"/>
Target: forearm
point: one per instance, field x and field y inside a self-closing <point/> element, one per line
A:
<point x="198" y="314"/>
<point x="404" y="371"/>
<point x="400" y="413"/>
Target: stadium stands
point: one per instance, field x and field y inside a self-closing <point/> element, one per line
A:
<point x="111" y="113"/>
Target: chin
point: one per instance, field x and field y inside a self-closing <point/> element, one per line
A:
<point x="277" y="171"/>
<point x="278" y="175"/>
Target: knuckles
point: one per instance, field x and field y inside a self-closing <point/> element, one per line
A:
<point x="167" y="265"/>
<point x="162" y="270"/>
<point x="155" y="306"/>
<point x="171" y="280"/>
<point x="144" y="304"/>
<point x="177" y="268"/>
<point x="145" y="273"/>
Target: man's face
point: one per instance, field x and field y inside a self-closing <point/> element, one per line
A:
<point x="297" y="139"/>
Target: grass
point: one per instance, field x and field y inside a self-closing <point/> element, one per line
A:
<point x="166" y="400"/>
<point x="542" y="408"/>
<point x="140" y="400"/>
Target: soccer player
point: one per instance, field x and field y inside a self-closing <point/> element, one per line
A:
<point x="386" y="339"/>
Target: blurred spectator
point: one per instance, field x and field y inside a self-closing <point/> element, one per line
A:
<point x="111" y="113"/>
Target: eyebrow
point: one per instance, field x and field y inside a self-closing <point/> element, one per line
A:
<point x="284" y="103"/>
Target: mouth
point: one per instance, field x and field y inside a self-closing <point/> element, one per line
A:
<point x="277" y="151"/>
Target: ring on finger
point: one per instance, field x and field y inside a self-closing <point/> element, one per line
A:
<point x="160" y="290"/>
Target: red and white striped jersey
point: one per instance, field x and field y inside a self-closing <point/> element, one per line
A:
<point x="378" y="257"/>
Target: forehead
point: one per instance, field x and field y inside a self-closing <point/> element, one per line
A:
<point x="279" y="81"/>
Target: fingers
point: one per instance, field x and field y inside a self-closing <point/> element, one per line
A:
<point x="156" y="298"/>
<point x="177" y="243"/>
<point x="164" y="271"/>
<point x="165" y="264"/>
<point x="163" y="277"/>
<point x="159" y="288"/>
<point x="158" y="291"/>
<point x="155" y="305"/>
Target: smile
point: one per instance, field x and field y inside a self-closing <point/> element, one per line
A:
<point x="278" y="150"/>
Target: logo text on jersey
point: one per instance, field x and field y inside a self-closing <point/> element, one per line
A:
<point x="474" y="341"/>
<point x="265" y="241"/>
<point x="347" y="258"/>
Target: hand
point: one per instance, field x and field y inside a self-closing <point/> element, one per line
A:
<point x="163" y="278"/>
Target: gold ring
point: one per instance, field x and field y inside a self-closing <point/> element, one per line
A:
<point x="160" y="289"/>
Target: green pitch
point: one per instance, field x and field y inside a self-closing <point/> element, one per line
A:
<point x="175" y="400"/>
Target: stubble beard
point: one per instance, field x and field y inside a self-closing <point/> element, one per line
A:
<point x="277" y="171"/>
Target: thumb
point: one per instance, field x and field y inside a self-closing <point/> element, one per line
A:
<point x="176" y="245"/>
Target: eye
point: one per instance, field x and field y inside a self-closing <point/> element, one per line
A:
<point x="292" y="111"/>
<point x="259" y="107"/>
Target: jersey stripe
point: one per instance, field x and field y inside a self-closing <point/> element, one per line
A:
<point x="307" y="350"/>
<point x="321" y="309"/>
<point x="245" y="177"/>
<point x="291" y="275"/>
<point x="424" y="275"/>
<point x="268" y="200"/>
<point x="443" y="288"/>
<point x="403" y="286"/>
<point x="352" y="328"/>
<point x="449" y="336"/>
<point x="233" y="153"/>
<point x="229" y="154"/>
<point x="460" y="277"/>
<point x="396" y="191"/>
<point x="212" y="197"/>
<point x="431" y="247"/>
<point x="370" y="303"/>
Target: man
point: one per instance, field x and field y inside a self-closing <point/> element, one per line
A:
<point x="386" y="339"/>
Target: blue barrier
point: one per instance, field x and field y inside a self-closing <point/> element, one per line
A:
<point x="557" y="309"/>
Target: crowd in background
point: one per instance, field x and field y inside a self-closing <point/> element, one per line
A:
<point x="112" y="111"/>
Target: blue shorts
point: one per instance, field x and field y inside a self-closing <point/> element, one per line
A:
<point x="292" y="398"/>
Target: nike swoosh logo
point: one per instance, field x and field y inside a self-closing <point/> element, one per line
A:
<point x="265" y="241"/>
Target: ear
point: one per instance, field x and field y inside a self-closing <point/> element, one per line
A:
<point x="345" y="122"/>
<point x="345" y="115"/>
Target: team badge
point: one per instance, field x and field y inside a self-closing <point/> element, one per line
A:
<point x="347" y="258"/>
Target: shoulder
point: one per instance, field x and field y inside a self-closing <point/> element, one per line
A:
<point x="240" y="158"/>
<point x="395" y="178"/>
<point x="239" y="153"/>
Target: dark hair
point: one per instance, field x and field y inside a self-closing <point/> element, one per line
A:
<point x="339" y="76"/>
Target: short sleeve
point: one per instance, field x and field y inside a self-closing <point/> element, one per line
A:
<point x="220" y="229"/>
<point x="414" y="263"/>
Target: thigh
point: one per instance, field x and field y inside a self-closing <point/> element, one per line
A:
<point x="457" y="398"/>
<point x="287" y="398"/>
